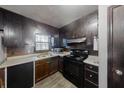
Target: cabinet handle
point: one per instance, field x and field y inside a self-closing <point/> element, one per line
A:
<point x="91" y="75"/>
<point x="91" y="67"/>
<point x="119" y="72"/>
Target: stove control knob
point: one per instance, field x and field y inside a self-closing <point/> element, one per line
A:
<point x="91" y="75"/>
<point x="91" y="67"/>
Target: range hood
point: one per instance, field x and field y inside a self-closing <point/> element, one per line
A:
<point x="77" y="40"/>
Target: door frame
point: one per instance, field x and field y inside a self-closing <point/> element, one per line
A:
<point x="110" y="46"/>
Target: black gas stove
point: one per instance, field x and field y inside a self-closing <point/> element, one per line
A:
<point x="78" y="59"/>
<point x="73" y="66"/>
<point x="77" y="55"/>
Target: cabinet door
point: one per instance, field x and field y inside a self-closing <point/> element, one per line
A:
<point x="60" y="64"/>
<point x="91" y="29"/>
<point x="41" y="70"/>
<point x="1" y="20"/>
<point x="2" y="73"/>
<point x="53" y="65"/>
<point x="13" y="29"/>
<point x="90" y="76"/>
<point x="20" y="76"/>
<point x="28" y="34"/>
<point x="88" y="84"/>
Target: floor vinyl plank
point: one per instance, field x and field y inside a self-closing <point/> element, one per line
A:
<point x="55" y="81"/>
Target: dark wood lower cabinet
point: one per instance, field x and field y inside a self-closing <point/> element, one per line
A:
<point x="53" y="65"/>
<point x="90" y="76"/>
<point x="44" y="68"/>
<point x="20" y="76"/>
<point x="60" y="64"/>
<point x="2" y="78"/>
<point x="41" y="70"/>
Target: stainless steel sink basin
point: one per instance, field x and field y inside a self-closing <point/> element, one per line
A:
<point x="44" y="55"/>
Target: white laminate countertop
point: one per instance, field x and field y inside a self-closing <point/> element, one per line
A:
<point x="11" y="61"/>
<point x="92" y="60"/>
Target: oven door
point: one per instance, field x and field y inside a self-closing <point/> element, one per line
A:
<point x="73" y="71"/>
<point x="72" y="67"/>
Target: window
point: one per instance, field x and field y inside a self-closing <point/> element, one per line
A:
<point x="42" y="42"/>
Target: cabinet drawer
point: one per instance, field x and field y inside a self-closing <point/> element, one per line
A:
<point x="88" y="84"/>
<point x="91" y="67"/>
<point x="1" y="20"/>
<point x="93" y="77"/>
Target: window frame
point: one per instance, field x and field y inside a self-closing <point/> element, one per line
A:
<point x="44" y="50"/>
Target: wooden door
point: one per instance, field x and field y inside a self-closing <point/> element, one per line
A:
<point x="41" y="70"/>
<point x="116" y="47"/>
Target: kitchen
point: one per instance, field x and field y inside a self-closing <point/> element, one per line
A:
<point x="54" y="48"/>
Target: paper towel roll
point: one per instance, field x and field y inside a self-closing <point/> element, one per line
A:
<point x="95" y="43"/>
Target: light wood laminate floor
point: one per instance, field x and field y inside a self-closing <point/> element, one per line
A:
<point x="55" y="81"/>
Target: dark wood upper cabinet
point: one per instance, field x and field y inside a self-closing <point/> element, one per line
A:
<point x="1" y="20"/>
<point x="29" y="29"/>
<point x="91" y="23"/>
<point x="28" y="34"/>
<point x="91" y="27"/>
<point x="13" y="30"/>
<point x="86" y="26"/>
<point x="19" y="32"/>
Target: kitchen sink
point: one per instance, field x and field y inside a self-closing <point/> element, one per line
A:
<point x="44" y="55"/>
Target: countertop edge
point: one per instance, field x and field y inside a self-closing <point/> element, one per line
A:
<point x="92" y="60"/>
<point x="26" y="60"/>
<point x="91" y="63"/>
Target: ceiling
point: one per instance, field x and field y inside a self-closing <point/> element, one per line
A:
<point x="54" y="15"/>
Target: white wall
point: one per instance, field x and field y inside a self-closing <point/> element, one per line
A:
<point x="103" y="45"/>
